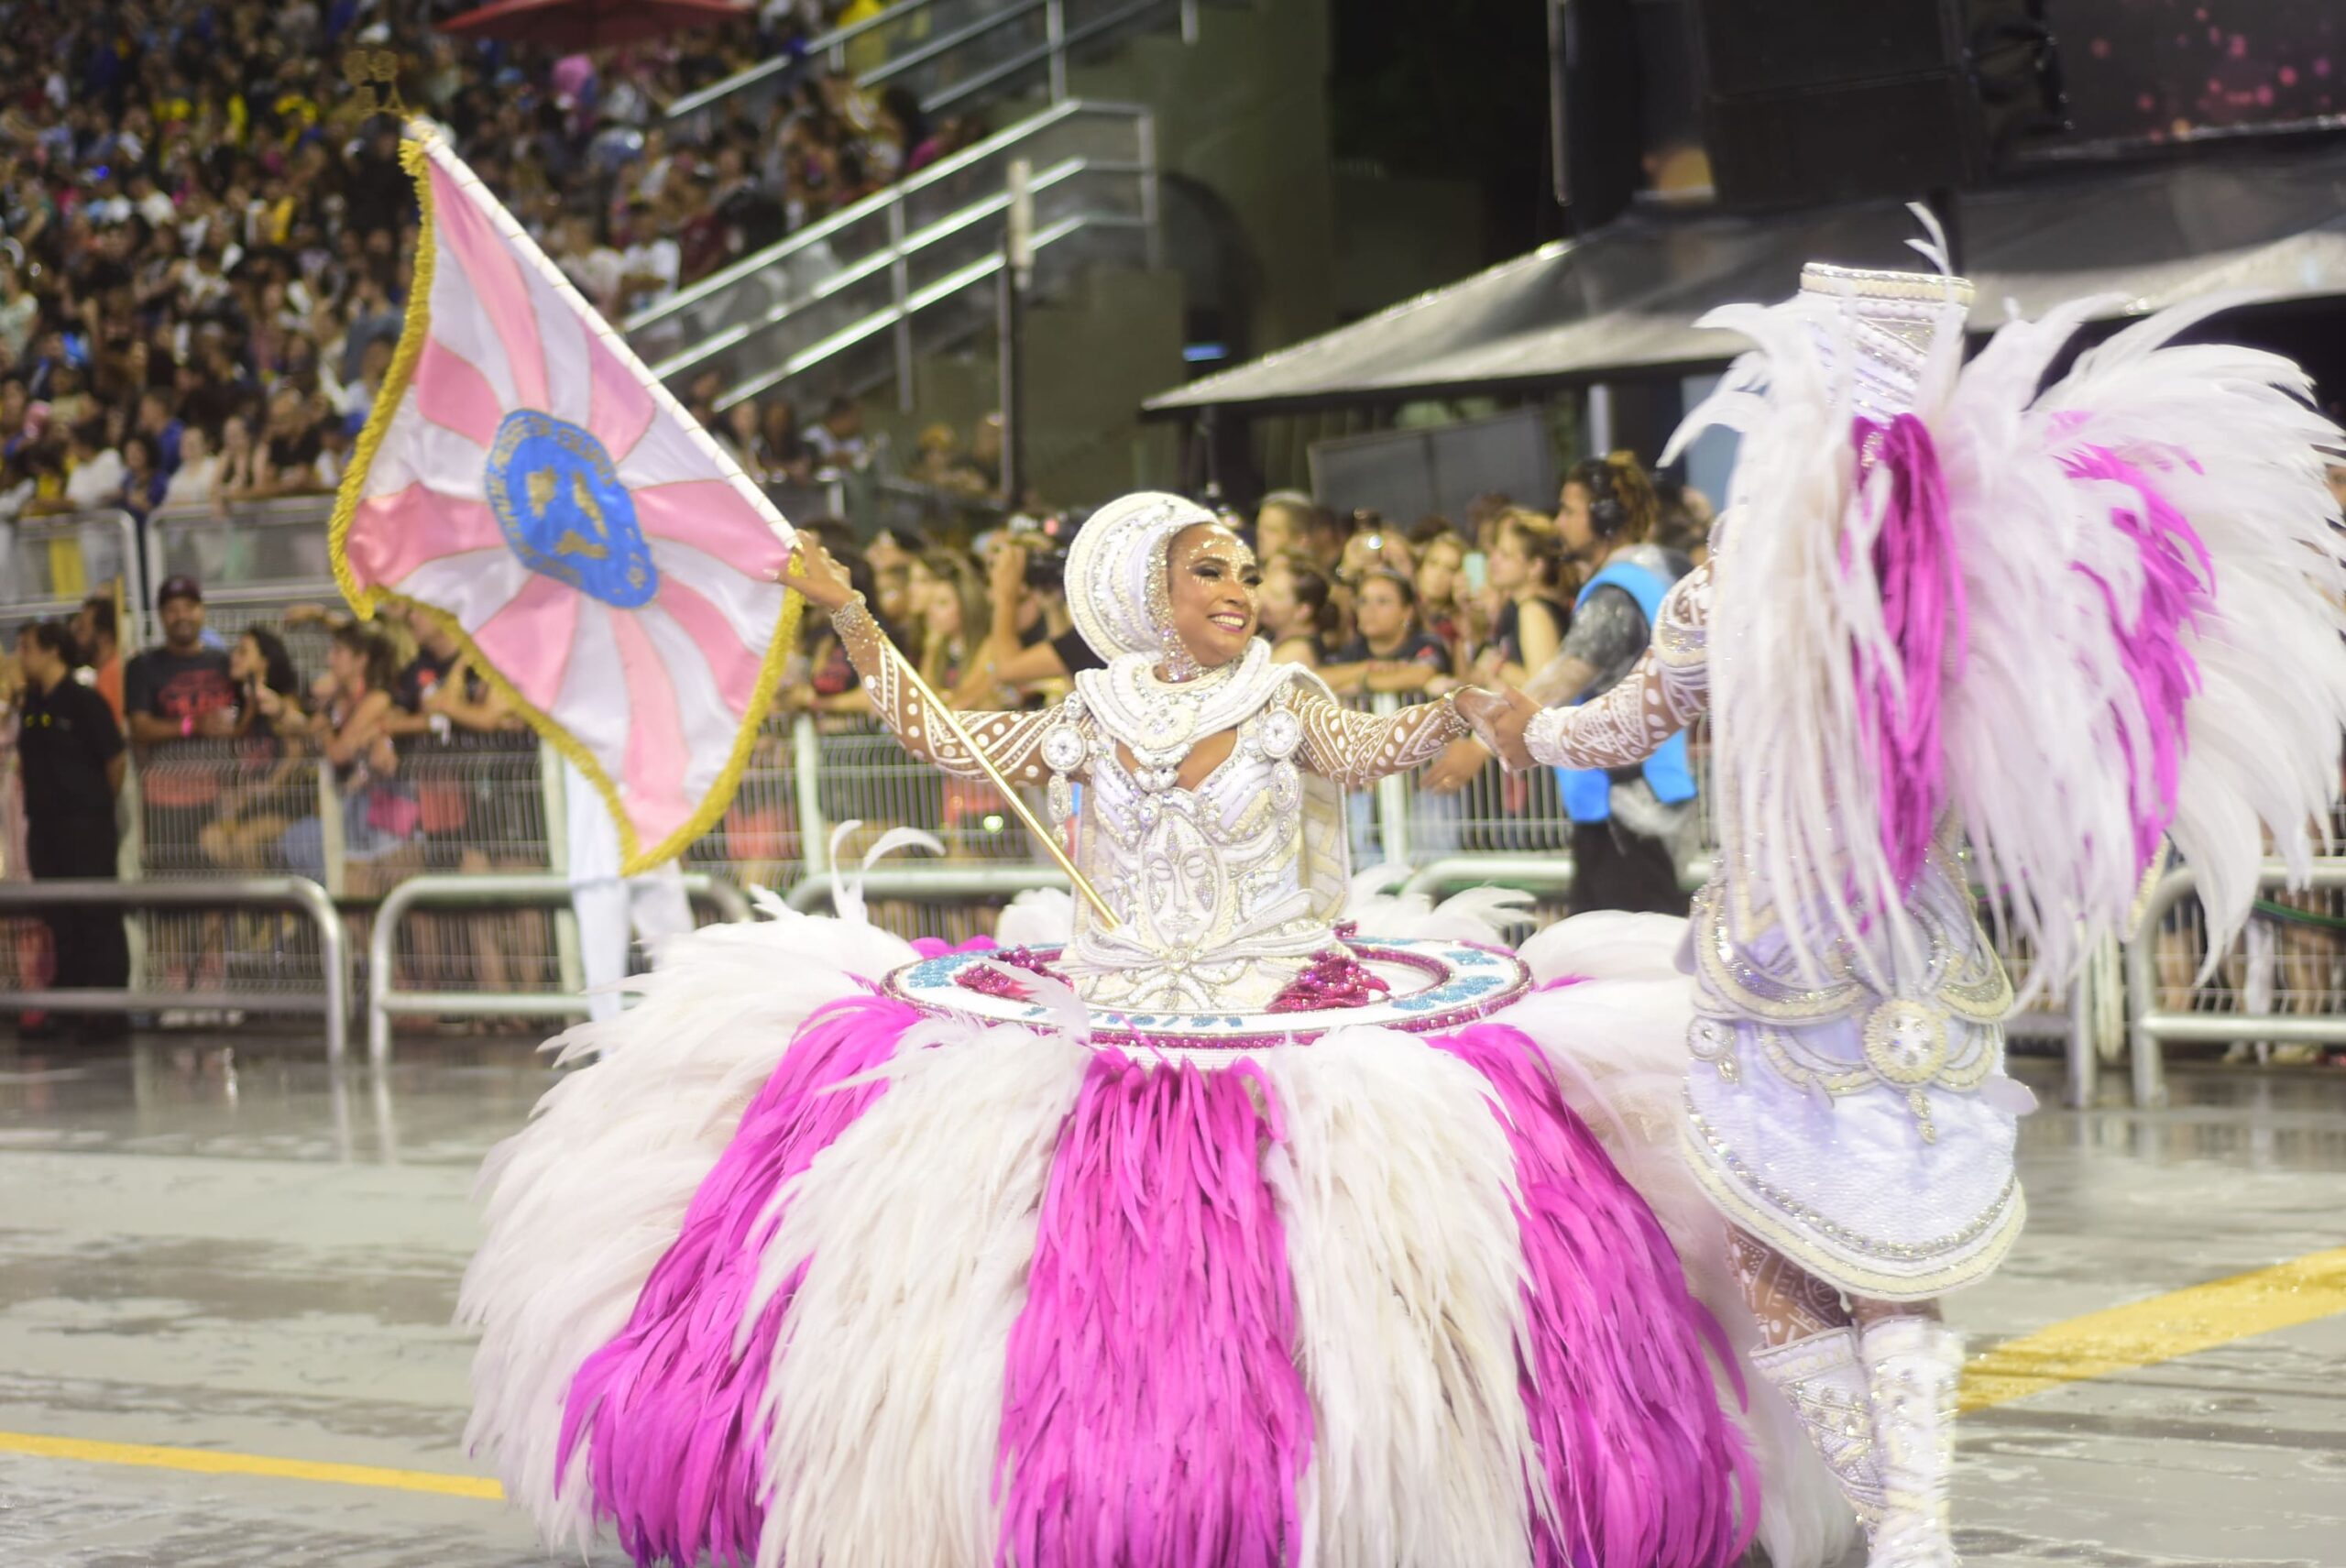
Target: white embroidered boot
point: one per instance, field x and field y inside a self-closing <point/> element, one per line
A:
<point x="1912" y="1366"/>
<point x="1822" y="1377"/>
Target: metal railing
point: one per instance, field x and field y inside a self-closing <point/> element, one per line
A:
<point x="949" y="53"/>
<point x="331" y="1000"/>
<point x="52" y="563"/>
<point x="911" y="268"/>
<point x="214" y="818"/>
<point x="2155" y="1022"/>
<point x="924" y="881"/>
<point x="385" y="997"/>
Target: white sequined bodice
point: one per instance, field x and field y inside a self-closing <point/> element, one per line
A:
<point x="1222" y="893"/>
<point x="1212" y="885"/>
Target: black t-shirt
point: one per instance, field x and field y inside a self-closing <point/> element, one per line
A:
<point x="69" y="737"/>
<point x="421" y="679"/>
<point x="298" y="449"/>
<point x="1507" y="633"/>
<point x="1076" y="654"/>
<point x="177" y="686"/>
<point x="1420" y="648"/>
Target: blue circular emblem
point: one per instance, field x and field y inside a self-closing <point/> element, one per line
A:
<point x="565" y="512"/>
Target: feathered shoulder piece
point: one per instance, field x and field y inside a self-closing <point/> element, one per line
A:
<point x="2075" y="619"/>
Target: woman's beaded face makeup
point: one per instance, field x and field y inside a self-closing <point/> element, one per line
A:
<point x="1212" y="590"/>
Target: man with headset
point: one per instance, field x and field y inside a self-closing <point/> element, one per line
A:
<point x="1625" y="823"/>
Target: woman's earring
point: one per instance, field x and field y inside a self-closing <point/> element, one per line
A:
<point x="1179" y="665"/>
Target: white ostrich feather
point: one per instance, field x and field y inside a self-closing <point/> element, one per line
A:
<point x="1617" y="1041"/>
<point x="1398" y="1182"/>
<point x="916" y="1230"/>
<point x="584" y="1201"/>
<point x="2046" y="739"/>
<point x="847" y="888"/>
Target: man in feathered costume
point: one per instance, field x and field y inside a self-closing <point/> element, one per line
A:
<point x="1946" y="611"/>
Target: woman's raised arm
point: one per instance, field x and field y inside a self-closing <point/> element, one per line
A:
<point x="1012" y="740"/>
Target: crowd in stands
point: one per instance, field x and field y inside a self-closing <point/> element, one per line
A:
<point x="208" y="243"/>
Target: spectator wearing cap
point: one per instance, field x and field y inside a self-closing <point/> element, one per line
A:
<point x="181" y="690"/>
<point x="71" y="756"/>
<point x="174" y="695"/>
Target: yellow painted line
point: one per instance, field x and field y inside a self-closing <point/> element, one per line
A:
<point x="206" y="1462"/>
<point x="2144" y="1333"/>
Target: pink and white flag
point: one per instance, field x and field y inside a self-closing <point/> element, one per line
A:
<point x="524" y="478"/>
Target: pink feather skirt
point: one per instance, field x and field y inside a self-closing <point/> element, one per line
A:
<point x="951" y="1295"/>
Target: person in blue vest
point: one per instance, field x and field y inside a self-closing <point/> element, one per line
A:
<point x="1624" y="821"/>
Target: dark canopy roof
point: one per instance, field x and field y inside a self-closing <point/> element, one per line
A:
<point x="1622" y="301"/>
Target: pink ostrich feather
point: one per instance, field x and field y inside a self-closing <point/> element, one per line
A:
<point x="1915" y="563"/>
<point x="1642" y="1467"/>
<point x="2177" y="572"/>
<point x="668" y="1410"/>
<point x="1154" y="1416"/>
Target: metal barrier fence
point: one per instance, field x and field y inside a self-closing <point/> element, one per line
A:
<point x="2249" y="1001"/>
<point x="492" y="805"/>
<point x="386" y="997"/>
<point x="240" y="895"/>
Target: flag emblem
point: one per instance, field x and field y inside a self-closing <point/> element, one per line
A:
<point x="565" y="512"/>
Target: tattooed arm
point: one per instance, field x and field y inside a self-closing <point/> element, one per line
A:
<point x="1664" y="691"/>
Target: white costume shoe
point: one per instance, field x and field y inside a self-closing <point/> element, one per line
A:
<point x="1912" y="1366"/>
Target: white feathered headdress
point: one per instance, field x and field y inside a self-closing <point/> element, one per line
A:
<point x="2071" y="622"/>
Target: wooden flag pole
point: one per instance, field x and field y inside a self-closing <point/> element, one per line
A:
<point x="941" y="716"/>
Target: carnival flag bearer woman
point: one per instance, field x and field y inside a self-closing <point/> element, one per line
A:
<point x="1196" y="1227"/>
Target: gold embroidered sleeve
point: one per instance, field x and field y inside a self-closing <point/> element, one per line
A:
<point x="1356" y="748"/>
<point x="1665" y="690"/>
<point x="1013" y="740"/>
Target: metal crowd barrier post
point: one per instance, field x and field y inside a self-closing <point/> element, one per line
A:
<point x="2082" y="1049"/>
<point x="805" y="765"/>
<point x="467" y="891"/>
<point x="1549" y="873"/>
<point x="2096" y="1017"/>
<point x="296" y="892"/>
<point x="930" y="881"/>
<point x="52" y="563"/>
<point x="2152" y="1027"/>
<point x="554" y="783"/>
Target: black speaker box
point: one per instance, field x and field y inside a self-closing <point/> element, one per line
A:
<point x="1813" y="101"/>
